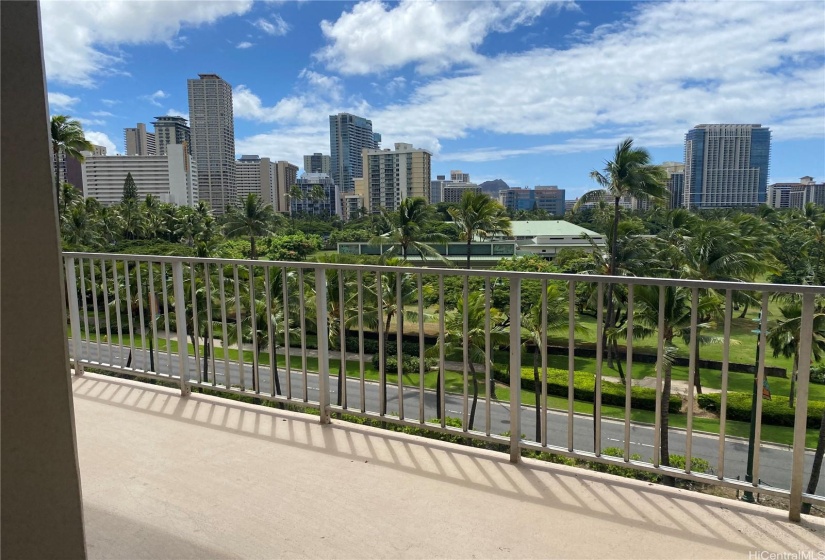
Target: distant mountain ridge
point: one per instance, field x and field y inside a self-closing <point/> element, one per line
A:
<point x="492" y="187"/>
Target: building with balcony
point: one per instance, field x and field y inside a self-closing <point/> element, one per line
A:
<point x="348" y="136"/>
<point x="391" y="176"/>
<point x="317" y="163"/>
<point x="286" y="175"/>
<point x="256" y="175"/>
<point x="675" y="183"/>
<point x="547" y="198"/>
<point x="171" y="129"/>
<point x="319" y="196"/>
<point x="172" y="178"/>
<point x="726" y="166"/>
<point x="213" y="139"/>
<point x="138" y="142"/>
<point x="796" y="195"/>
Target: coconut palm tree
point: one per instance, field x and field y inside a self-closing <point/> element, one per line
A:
<point x="68" y="138"/>
<point x="479" y="216"/>
<point x="67" y="196"/>
<point x="412" y="229"/>
<point x="786" y="336"/>
<point x="80" y="228"/>
<point x="252" y="219"/>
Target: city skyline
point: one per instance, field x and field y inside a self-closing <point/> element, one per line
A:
<point x="534" y="94"/>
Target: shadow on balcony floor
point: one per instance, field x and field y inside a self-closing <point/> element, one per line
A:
<point x="204" y="477"/>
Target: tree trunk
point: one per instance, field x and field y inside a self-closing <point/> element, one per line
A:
<point x="151" y="354"/>
<point x="475" y="395"/>
<point x="615" y="346"/>
<point x="438" y="394"/>
<point x="537" y="389"/>
<point x="609" y="321"/>
<point x="697" y="376"/>
<point x="341" y="376"/>
<point x="792" y="393"/>
<point x="664" y="434"/>
<point x="816" y="468"/>
<point x="252" y="253"/>
<point x="745" y="311"/>
<point x="129" y="361"/>
<point x="383" y="380"/>
<point x="469" y="243"/>
<point x="205" y="376"/>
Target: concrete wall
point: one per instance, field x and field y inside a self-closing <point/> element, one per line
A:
<point x="42" y="513"/>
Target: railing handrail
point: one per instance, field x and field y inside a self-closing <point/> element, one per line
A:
<point x="481" y="273"/>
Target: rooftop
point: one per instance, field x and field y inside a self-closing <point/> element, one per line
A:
<point x="532" y="228"/>
<point x="165" y="476"/>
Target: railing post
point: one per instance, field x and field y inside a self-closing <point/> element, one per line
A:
<point x="801" y="414"/>
<point x="515" y="369"/>
<point x="180" y="322"/>
<point x="74" y="313"/>
<point x="323" y="342"/>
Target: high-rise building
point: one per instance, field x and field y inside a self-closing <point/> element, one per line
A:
<point x="316" y="163"/>
<point x="391" y="176"/>
<point x="675" y="183"/>
<point x="286" y="175"/>
<point x="548" y="198"/>
<point x="213" y="139"/>
<point x="454" y="190"/>
<point x="726" y="165"/>
<point x="138" y="142"/>
<point x="172" y="177"/>
<point x="256" y="175"/>
<point x="171" y="130"/>
<point x="348" y="135"/>
<point x="458" y="177"/>
<point x="796" y="195"/>
<point x="70" y="170"/>
<point x="310" y="183"/>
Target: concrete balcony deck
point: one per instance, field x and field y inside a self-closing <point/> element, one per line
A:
<point x="204" y="477"/>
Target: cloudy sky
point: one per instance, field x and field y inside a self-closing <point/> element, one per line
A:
<point x="534" y="92"/>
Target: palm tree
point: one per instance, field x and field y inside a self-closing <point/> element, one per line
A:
<point x="132" y="219"/>
<point x="80" y="228"/>
<point x="67" y="196"/>
<point x="253" y="218"/>
<point x="294" y="193"/>
<point x="68" y="138"/>
<point x="786" y="336"/>
<point x="628" y="174"/>
<point x="455" y="338"/>
<point x="412" y="228"/>
<point x="479" y="216"/>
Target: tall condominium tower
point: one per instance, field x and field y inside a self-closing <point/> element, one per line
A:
<point x="316" y="163"/>
<point x="348" y="135"/>
<point x="256" y="175"/>
<point x="394" y="175"/>
<point x="675" y="183"/>
<point x="213" y="140"/>
<point x="726" y="165"/>
<point x="171" y="130"/>
<point x="138" y="142"/>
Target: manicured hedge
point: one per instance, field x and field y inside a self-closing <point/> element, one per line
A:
<point x="583" y="388"/>
<point x="775" y="411"/>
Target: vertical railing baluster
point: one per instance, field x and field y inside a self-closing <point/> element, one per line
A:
<point x="760" y="381"/>
<point x="692" y="365"/>
<point x="543" y="341"/>
<point x="441" y="352"/>
<point x="571" y="360"/>
<point x="421" y="361"/>
<point x="399" y="342"/>
<point x="130" y="322"/>
<point x="141" y="318"/>
<point x="660" y="358"/>
<point x="154" y="308"/>
<point x="239" y="327"/>
<point x="227" y="375"/>
<point x="74" y="312"/>
<point x="164" y="283"/>
<point x="273" y="358"/>
<point x="362" y="380"/>
<point x="465" y="297"/>
<point x="628" y="375"/>
<point x="597" y="393"/>
<point x="207" y="285"/>
<point x="104" y="279"/>
<point x="322" y="328"/>
<point x="116" y="286"/>
<point x="382" y="374"/>
<point x="95" y="310"/>
<point x="180" y="322"/>
<point x="253" y="327"/>
<point x="302" y="327"/>
<point x="515" y="369"/>
<point x="79" y="366"/>
<point x="287" y="339"/>
<point x="801" y="412"/>
<point x="196" y="334"/>
<point x="723" y="406"/>
<point x="342" y="337"/>
<point x="488" y="386"/>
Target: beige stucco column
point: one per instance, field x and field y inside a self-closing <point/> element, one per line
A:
<point x="41" y="505"/>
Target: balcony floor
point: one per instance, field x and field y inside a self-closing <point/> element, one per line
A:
<point x="203" y="477"/>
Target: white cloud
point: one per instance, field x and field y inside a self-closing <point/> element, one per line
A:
<point x="90" y="122"/>
<point x="102" y="114"/>
<point x="81" y="38"/>
<point x="109" y="102"/>
<point x="433" y="35"/>
<point x="153" y="97"/>
<point x="101" y="139"/>
<point x="176" y="113"/>
<point x="61" y="101"/>
<point x="276" y="26"/>
<point x="243" y="45"/>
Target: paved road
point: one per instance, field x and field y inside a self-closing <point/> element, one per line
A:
<point x="775" y="460"/>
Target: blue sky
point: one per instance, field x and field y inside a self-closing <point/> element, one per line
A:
<point x="534" y="92"/>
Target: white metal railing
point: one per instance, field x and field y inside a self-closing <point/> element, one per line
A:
<point x="135" y="314"/>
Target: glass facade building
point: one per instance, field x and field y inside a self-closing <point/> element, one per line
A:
<point x="348" y="135"/>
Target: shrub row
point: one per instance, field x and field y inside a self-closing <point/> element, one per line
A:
<point x="371" y="346"/>
<point x="410" y="364"/>
<point x="775" y="411"/>
<point x="584" y="386"/>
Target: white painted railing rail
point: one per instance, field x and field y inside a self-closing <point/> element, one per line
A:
<point x="218" y="324"/>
